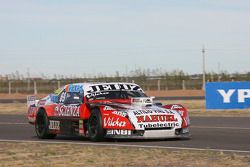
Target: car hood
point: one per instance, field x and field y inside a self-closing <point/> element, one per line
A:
<point x="148" y="117"/>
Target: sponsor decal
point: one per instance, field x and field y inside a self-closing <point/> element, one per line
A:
<point x="120" y="113"/>
<point x="141" y="101"/>
<point x="108" y="108"/>
<point x="227" y="95"/>
<point x="155" y="118"/>
<point x="107" y="87"/>
<point x="94" y="94"/>
<point x="119" y="132"/>
<point x="71" y="111"/>
<point x="159" y="125"/>
<point x="75" y="88"/>
<point x="175" y="106"/>
<point x="54" y="125"/>
<point x="152" y="111"/>
<point x="42" y="102"/>
<point x="243" y="94"/>
<point x="113" y="122"/>
<point x="81" y="127"/>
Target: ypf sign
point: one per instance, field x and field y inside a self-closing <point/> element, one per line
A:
<point x="227" y="95"/>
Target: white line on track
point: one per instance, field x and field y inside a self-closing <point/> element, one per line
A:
<point x="220" y="127"/>
<point x="127" y="145"/>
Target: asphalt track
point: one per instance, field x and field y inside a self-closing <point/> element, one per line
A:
<point x="228" y="134"/>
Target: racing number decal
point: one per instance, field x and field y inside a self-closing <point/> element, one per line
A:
<point x="62" y="98"/>
<point x="54" y="125"/>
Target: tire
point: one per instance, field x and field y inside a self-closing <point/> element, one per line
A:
<point x="95" y="129"/>
<point x="42" y="126"/>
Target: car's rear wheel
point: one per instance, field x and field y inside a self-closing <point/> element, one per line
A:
<point x="95" y="129"/>
<point x="42" y="126"/>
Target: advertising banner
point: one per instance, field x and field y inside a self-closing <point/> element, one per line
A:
<point x="227" y="95"/>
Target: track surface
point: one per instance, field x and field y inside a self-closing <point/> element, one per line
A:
<point x="222" y="133"/>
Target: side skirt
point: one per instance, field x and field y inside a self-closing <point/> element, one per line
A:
<point x="67" y="126"/>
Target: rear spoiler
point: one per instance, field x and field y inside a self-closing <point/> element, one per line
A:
<point x="31" y="101"/>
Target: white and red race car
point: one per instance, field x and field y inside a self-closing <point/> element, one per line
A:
<point x="106" y="110"/>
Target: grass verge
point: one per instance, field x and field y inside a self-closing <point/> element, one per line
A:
<point x="38" y="154"/>
<point x="13" y="108"/>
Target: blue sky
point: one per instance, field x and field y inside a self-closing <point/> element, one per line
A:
<point x="76" y="37"/>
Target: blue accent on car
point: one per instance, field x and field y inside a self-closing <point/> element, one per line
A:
<point x="75" y="88"/>
<point x="53" y="98"/>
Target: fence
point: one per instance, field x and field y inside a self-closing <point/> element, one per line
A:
<point x="46" y="86"/>
<point x="38" y="85"/>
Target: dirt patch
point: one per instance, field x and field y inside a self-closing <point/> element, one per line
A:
<point x="178" y="93"/>
<point x="13" y="108"/>
<point x="189" y="104"/>
<point x="37" y="154"/>
<point x="19" y="96"/>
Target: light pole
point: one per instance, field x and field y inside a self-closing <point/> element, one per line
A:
<point x="9" y="87"/>
<point x="204" y="68"/>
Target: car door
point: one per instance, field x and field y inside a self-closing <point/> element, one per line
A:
<point x="69" y="104"/>
<point x="67" y="112"/>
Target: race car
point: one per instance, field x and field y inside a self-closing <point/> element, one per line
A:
<point x="106" y="110"/>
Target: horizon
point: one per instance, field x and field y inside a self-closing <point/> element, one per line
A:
<point x="133" y="73"/>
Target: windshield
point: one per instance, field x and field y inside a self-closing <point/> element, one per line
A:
<point x="118" y="94"/>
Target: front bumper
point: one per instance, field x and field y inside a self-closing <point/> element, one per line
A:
<point x="154" y="134"/>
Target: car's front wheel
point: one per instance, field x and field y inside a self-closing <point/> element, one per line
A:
<point x="95" y="129"/>
<point x="42" y="126"/>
